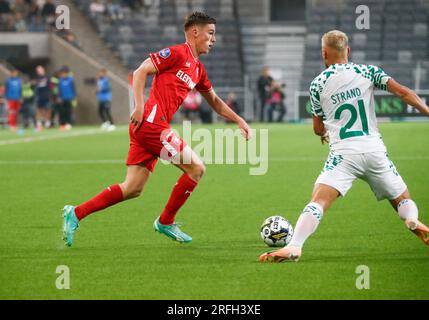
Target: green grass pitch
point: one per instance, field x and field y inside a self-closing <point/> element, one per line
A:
<point x="117" y="254"/>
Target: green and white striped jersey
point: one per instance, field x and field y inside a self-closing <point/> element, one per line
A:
<point x="343" y="96"/>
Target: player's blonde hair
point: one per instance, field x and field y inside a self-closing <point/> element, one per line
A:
<point x="336" y="40"/>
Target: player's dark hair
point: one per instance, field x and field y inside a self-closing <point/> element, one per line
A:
<point x="198" y="18"/>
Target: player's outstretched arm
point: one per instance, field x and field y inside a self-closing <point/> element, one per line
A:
<point x="139" y="82"/>
<point x="320" y="130"/>
<point x="408" y="96"/>
<point x="225" y="111"/>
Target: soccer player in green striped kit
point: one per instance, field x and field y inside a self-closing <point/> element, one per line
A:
<point x="342" y="99"/>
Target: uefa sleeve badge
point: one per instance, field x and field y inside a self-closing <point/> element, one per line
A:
<point x="165" y="53"/>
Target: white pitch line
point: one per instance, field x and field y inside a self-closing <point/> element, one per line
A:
<point x="400" y="158"/>
<point x="53" y="137"/>
<point x="61" y="162"/>
<point x="122" y="161"/>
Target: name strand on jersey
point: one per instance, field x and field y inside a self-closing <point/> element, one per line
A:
<point x="343" y="96"/>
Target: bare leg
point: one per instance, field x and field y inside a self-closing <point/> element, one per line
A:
<point x="191" y="164"/>
<point x="409" y="213"/>
<point x="136" y="178"/>
<point x="324" y="195"/>
<point x="39" y="118"/>
<point x="395" y="202"/>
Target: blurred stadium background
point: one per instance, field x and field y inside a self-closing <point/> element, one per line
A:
<point x="281" y="34"/>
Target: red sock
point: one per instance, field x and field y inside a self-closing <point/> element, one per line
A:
<point x="181" y="192"/>
<point x="108" y="197"/>
<point x="13" y="109"/>
<point x="12" y="118"/>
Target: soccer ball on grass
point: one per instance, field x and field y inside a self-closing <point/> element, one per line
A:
<point x="276" y="231"/>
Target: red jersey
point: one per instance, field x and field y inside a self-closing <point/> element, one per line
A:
<point x="178" y="72"/>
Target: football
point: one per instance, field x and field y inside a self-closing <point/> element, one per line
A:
<point x="276" y="231"/>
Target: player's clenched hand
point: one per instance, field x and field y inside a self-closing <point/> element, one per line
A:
<point x="245" y="129"/>
<point x="137" y="118"/>
<point x="325" y="138"/>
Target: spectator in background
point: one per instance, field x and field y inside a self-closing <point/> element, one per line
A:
<point x="191" y="105"/>
<point x="21" y="15"/>
<point x="43" y="113"/>
<point x="104" y="98"/>
<point x="8" y="24"/>
<point x="20" y="24"/>
<point x="71" y="38"/>
<point x="96" y="8"/>
<point x="3" y="109"/>
<point x="134" y="5"/>
<point x="4" y="7"/>
<point x="231" y="101"/>
<point x="115" y="10"/>
<point x="276" y="102"/>
<point x="264" y="90"/>
<point x="55" y="99"/>
<point x="21" y="7"/>
<point x="5" y="13"/>
<point x="67" y="94"/>
<point x="147" y="4"/>
<point x="27" y="109"/>
<point x="206" y="113"/>
<point x="48" y="13"/>
<point x="33" y="11"/>
<point x="48" y="8"/>
<point x="34" y="21"/>
<point x="13" y="96"/>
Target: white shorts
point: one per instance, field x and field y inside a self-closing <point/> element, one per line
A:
<point x="375" y="168"/>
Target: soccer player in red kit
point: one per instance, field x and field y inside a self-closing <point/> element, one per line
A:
<point x="177" y="71"/>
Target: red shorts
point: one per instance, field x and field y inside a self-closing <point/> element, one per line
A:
<point x="14" y="105"/>
<point x="152" y="142"/>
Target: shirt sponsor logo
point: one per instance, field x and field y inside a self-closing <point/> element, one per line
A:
<point x="185" y="78"/>
<point x="165" y="53"/>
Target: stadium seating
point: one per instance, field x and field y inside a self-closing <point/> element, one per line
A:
<point x="398" y="40"/>
<point x="398" y="37"/>
<point x="145" y="31"/>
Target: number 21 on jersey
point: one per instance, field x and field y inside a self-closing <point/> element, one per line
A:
<point x="345" y="131"/>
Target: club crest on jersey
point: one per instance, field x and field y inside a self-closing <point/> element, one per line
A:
<point x="165" y="53"/>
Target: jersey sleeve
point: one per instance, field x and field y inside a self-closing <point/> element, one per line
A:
<point x="165" y="59"/>
<point x="316" y="108"/>
<point x="204" y="84"/>
<point x="378" y="77"/>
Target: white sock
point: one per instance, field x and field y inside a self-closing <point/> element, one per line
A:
<point x="306" y="224"/>
<point x="407" y="209"/>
